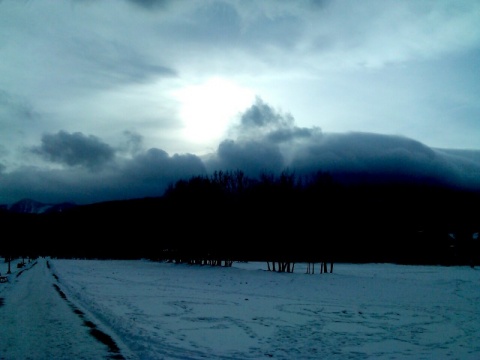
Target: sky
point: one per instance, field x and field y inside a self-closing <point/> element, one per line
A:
<point x="157" y="310"/>
<point x="105" y="100"/>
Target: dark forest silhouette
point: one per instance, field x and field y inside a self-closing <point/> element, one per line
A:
<point x="285" y="219"/>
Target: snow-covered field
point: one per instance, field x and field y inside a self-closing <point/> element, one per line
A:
<point x="152" y="310"/>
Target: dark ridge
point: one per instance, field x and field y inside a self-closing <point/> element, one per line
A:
<point x="55" y="276"/>
<point x="1" y="302"/>
<point x="97" y="334"/>
<point x="21" y="271"/>
<point x="89" y="324"/>
<point x="107" y="340"/>
<point x="62" y="294"/>
<point x="48" y="264"/>
<point x="103" y="338"/>
<point x="117" y="356"/>
<point x="30" y="206"/>
<point x="78" y="312"/>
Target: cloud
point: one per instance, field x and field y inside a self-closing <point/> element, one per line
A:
<point x="146" y="4"/>
<point x="263" y="142"/>
<point x="349" y="34"/>
<point x="357" y="152"/>
<point x="288" y="135"/>
<point x="15" y="107"/>
<point x="133" y="144"/>
<point x="252" y="157"/>
<point x="266" y="141"/>
<point x="148" y="173"/>
<point x="111" y="61"/>
<point x="75" y="149"/>
<point x="262" y="121"/>
<point x="262" y="116"/>
<point x="151" y="4"/>
<point x="107" y="69"/>
<point x="155" y="164"/>
<point x="381" y="33"/>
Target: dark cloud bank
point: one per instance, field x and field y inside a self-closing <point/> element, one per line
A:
<point x="84" y="169"/>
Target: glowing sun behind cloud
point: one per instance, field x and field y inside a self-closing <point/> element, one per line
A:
<point x="207" y="109"/>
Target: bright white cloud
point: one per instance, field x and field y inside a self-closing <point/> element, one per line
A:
<point x="209" y="108"/>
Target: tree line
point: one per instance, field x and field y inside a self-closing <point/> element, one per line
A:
<point x="281" y="219"/>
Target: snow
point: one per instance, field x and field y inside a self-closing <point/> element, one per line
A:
<point x="139" y="309"/>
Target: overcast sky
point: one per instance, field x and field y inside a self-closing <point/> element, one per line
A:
<point x="104" y="99"/>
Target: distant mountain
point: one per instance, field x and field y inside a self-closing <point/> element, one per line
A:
<point x="29" y="206"/>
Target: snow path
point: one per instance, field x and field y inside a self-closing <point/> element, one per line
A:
<point x="365" y="311"/>
<point x="81" y="309"/>
<point x="48" y="327"/>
